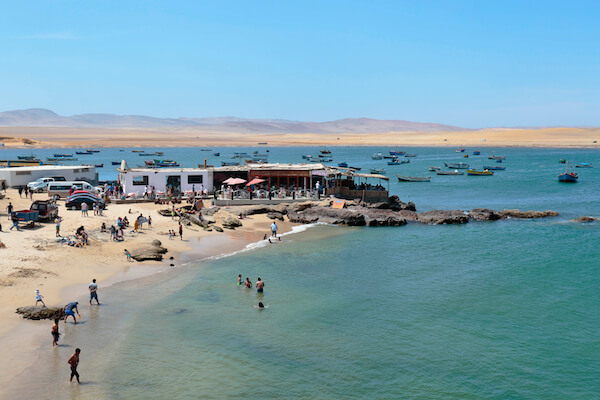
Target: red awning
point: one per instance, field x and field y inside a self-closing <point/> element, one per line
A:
<point x="255" y="181"/>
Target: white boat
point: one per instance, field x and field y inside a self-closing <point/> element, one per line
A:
<point x="377" y="156"/>
<point x="455" y="172"/>
<point x="402" y="178"/>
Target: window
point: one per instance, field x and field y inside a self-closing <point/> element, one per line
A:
<point x="195" y="179"/>
<point x="141" y="180"/>
<point x="23" y="172"/>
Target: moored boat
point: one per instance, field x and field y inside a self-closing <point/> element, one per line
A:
<point x="476" y="172"/>
<point x="584" y="165"/>
<point x="494" y="168"/>
<point x="63" y="155"/>
<point x="461" y="150"/>
<point x="410" y="155"/>
<point x="568" y="177"/>
<point x="99" y="165"/>
<point x="493" y="157"/>
<point x="402" y="178"/>
<point x="343" y="165"/>
<point x="376" y="156"/>
<point x="83" y="152"/>
<point x="30" y="157"/>
<point x="476" y="153"/>
<point x="562" y="161"/>
<point x="325" y="151"/>
<point x="455" y="172"/>
<point x="115" y="162"/>
<point x="460" y="165"/>
<point x="61" y="159"/>
<point x="380" y="171"/>
<point x="229" y="164"/>
<point x="217" y="154"/>
<point x="435" y="168"/>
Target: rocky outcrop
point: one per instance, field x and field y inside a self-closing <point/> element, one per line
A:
<point x="328" y="215"/>
<point x="527" y="214"/>
<point x="39" y="312"/>
<point x="231" y="223"/>
<point x="584" y="219"/>
<point x="484" y="214"/>
<point x="379" y="217"/>
<point x="275" y="215"/>
<point x="217" y="228"/>
<point x="210" y="211"/>
<point x="442" y="217"/>
<point x="153" y="252"/>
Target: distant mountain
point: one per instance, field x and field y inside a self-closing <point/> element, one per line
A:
<point x="47" y="118"/>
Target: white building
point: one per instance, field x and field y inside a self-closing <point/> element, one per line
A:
<point x="21" y="176"/>
<point x="137" y="180"/>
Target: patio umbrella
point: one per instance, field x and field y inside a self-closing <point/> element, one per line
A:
<point x="255" y="181"/>
<point x="234" y="181"/>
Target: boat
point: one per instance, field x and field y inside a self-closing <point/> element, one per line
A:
<point x="498" y="161"/>
<point x="410" y="155"/>
<point x="343" y="165"/>
<point x="584" y="165"/>
<point x="322" y="160"/>
<point x="263" y="143"/>
<point x="147" y="154"/>
<point x="476" y="172"/>
<point x="397" y="153"/>
<point x="402" y="178"/>
<point x="325" y="151"/>
<point x="476" y="153"/>
<point x="138" y="151"/>
<point x="455" y="172"/>
<point x="116" y="162"/>
<point x="466" y="156"/>
<point x="354" y="168"/>
<point x="395" y="161"/>
<point x="216" y="154"/>
<point x="435" y="168"/>
<point x="460" y="165"/>
<point x="62" y="155"/>
<point x="376" y="156"/>
<point x="93" y="151"/>
<point x="83" y="152"/>
<point x="493" y="157"/>
<point x="161" y="163"/>
<point x="562" y="161"/>
<point x="568" y="177"/>
<point x="229" y="164"/>
<point x="494" y="168"/>
<point x="160" y="153"/>
<point x="205" y="149"/>
<point x="461" y="150"/>
<point x="29" y="157"/>
<point x="306" y="156"/>
<point x="388" y="157"/>
<point x="99" y="165"/>
<point x="377" y="171"/>
<point x="60" y="159"/>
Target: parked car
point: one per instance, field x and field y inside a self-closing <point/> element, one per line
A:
<point x="47" y="209"/>
<point x="65" y="189"/>
<point x="40" y="185"/>
<point x="74" y="201"/>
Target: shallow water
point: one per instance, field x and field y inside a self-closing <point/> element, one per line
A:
<point x="506" y="309"/>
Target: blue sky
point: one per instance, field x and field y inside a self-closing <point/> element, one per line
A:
<point x="466" y="63"/>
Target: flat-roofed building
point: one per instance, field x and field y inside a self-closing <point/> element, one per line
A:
<point x="21" y="176"/>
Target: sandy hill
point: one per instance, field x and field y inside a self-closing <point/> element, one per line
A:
<point x="38" y="117"/>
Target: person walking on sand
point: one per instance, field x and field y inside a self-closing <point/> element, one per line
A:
<point x="74" y="362"/>
<point x="9" y="208"/>
<point x="39" y="297"/>
<point x="128" y="254"/>
<point x="15" y="221"/>
<point x="55" y="333"/>
<point x="149" y="221"/>
<point x="93" y="291"/>
<point x="57" y="222"/>
<point x="180" y="231"/>
<point x="259" y="286"/>
<point x="274" y="229"/>
<point x="84" y="209"/>
<point x="69" y="311"/>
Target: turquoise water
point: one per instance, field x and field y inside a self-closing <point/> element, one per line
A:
<point x="507" y="309"/>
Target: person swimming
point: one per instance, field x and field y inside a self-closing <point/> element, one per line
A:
<point x="239" y="279"/>
<point x="261" y="306"/>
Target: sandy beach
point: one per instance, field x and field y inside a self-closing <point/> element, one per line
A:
<point x="32" y="137"/>
<point x="34" y="259"/>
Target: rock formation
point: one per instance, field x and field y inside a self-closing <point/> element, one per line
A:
<point x="153" y="252"/>
<point x="40" y="312"/>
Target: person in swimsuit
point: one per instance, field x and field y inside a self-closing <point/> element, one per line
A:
<point x="93" y="292"/>
<point x="247" y="283"/>
<point x="74" y="361"/>
<point x="55" y="333"/>
<point x="239" y="279"/>
<point x="259" y="285"/>
<point x="69" y="311"/>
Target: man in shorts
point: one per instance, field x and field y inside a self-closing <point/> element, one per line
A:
<point x="93" y="292"/>
<point x="69" y="311"/>
<point x="259" y="286"/>
<point x="74" y="361"/>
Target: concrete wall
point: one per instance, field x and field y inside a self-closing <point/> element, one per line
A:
<point x="158" y="179"/>
<point x="21" y="176"/>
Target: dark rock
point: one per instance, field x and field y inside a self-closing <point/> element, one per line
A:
<point x="165" y="212"/>
<point x="383" y="217"/>
<point x="210" y="211"/>
<point x="407" y="215"/>
<point x="39" y="312"/>
<point x="394" y="203"/>
<point x="329" y="216"/>
<point x="585" y="219"/>
<point x="231" y="223"/>
<point x="438" y="217"/>
<point x="152" y="252"/>
<point x="217" y="228"/>
<point x="527" y="214"/>
<point x="275" y="215"/>
<point x="484" y="214"/>
<point x="299" y="207"/>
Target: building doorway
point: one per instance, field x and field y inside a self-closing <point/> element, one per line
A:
<point x="174" y="182"/>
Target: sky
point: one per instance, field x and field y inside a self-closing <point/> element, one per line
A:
<point x="467" y="63"/>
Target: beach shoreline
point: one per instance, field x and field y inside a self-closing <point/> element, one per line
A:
<point x="64" y="275"/>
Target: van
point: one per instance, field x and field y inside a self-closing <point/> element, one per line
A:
<point x="62" y="189"/>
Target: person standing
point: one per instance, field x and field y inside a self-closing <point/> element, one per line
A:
<point x="93" y="291"/>
<point x="39" y="298"/>
<point x="57" y="222"/>
<point x="69" y="311"/>
<point x="247" y="283"/>
<point x="74" y="362"/>
<point x="55" y="333"/>
<point x="20" y="191"/>
<point x="180" y="231"/>
<point x="240" y="279"/>
<point x="15" y="221"/>
<point x="84" y="209"/>
<point x="259" y="286"/>
<point x="149" y="221"/>
<point x="9" y="208"/>
<point x="274" y="229"/>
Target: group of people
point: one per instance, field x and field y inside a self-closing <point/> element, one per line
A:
<point x="25" y="190"/>
<point x="173" y="234"/>
<point x="260" y="287"/>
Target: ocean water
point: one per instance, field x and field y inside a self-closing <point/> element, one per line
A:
<point x="496" y="310"/>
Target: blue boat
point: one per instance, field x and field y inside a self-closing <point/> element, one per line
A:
<point x="83" y="152"/>
<point x="229" y="164"/>
<point x="343" y="165"/>
<point x="216" y="154"/>
<point x="476" y="153"/>
<point x="116" y="163"/>
<point x="63" y="155"/>
<point x="568" y="177"/>
<point x="584" y="165"/>
<point x="494" y="168"/>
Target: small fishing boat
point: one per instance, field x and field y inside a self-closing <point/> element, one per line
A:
<point x="476" y="153"/>
<point x="584" y="165"/>
<point x="217" y="154"/>
<point x="493" y="157"/>
<point x="138" y="151"/>
<point x="61" y="159"/>
<point x="476" y="172"/>
<point x="568" y="177"/>
<point x="160" y="153"/>
<point x="115" y="162"/>
<point x="83" y="152"/>
<point x="147" y="154"/>
<point x="30" y="157"/>
<point x="388" y="157"/>
<point x="461" y="150"/>
<point x="435" y="168"/>
<point x="229" y="164"/>
<point x="343" y="165"/>
<point x="410" y="155"/>
<point x="397" y="153"/>
<point x="402" y="178"/>
<point x="494" y="168"/>
<point x="161" y="163"/>
<point x="99" y="165"/>
<point x="466" y="156"/>
<point x="93" y="151"/>
<point x="205" y="149"/>
<point x="354" y="168"/>
<point x="62" y="155"/>
<point x="325" y="151"/>
<point x="562" y="161"/>
<point x="380" y="171"/>
<point x="460" y="165"/>
<point x="499" y="161"/>
<point x="376" y="156"/>
<point x="455" y="172"/>
<point x="263" y="143"/>
<point x="322" y="160"/>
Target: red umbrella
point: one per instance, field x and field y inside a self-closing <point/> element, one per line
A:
<point x="234" y="181"/>
<point x="255" y="181"/>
